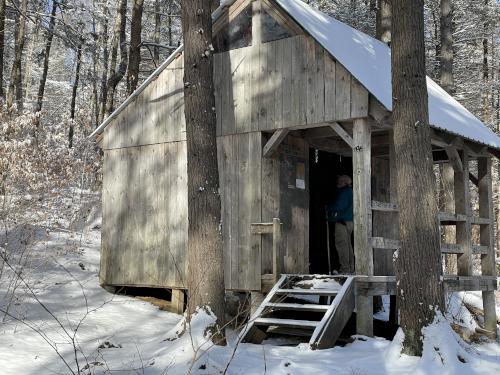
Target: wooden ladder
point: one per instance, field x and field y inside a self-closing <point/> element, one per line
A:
<point x="331" y="316"/>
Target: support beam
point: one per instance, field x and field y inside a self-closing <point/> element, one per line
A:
<point x="487" y="239"/>
<point x="462" y="206"/>
<point x="454" y="158"/>
<point x="337" y="128"/>
<point x="178" y="301"/>
<point x="361" y="163"/>
<point x="273" y="143"/>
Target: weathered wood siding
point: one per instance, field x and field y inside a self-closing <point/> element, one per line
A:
<point x="285" y="83"/>
<point x="156" y="115"/>
<point x="240" y="186"/>
<point x="144" y="230"/>
<point x="285" y="195"/>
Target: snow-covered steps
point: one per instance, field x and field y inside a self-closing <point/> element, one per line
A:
<point x="316" y="306"/>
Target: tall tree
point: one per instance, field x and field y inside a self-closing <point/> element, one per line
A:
<point x="73" y="94"/>
<point x="418" y="268"/>
<point x="105" y="56"/>
<point x="383" y="21"/>
<point x="15" y="84"/>
<point x="119" y="39"/>
<point x="2" y="44"/>
<point x="156" y="35"/>
<point x="134" y="58"/>
<point x="46" y="56"/>
<point x="205" y="253"/>
<point x="447" y="82"/>
<point x="446" y="50"/>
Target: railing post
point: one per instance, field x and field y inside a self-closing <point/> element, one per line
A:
<point x="276" y="248"/>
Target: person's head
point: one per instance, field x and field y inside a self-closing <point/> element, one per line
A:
<point x="343" y="181"/>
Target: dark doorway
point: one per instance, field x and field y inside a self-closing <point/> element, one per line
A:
<point x="324" y="168"/>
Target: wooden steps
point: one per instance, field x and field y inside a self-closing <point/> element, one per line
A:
<point x="322" y="323"/>
<point x="310" y="292"/>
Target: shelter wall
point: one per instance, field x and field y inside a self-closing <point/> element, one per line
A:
<point x="144" y="229"/>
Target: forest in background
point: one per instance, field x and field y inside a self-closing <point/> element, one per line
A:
<point x="65" y="65"/>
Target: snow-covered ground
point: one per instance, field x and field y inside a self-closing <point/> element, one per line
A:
<point x="57" y="313"/>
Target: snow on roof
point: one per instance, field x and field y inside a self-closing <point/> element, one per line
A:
<point x="369" y="60"/>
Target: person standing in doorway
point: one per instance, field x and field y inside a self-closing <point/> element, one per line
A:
<point x="340" y="212"/>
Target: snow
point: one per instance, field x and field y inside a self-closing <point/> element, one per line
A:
<point x="369" y="60"/>
<point x="124" y="335"/>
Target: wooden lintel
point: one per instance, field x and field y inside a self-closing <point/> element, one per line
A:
<point x="454" y="158"/>
<point x="274" y="142"/>
<point x="337" y="128"/>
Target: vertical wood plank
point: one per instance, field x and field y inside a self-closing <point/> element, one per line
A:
<point x="462" y="206"/>
<point x="363" y="252"/>
<point x="286" y="83"/>
<point x="329" y="88"/>
<point x="278" y="82"/>
<point x="342" y="93"/>
<point x="359" y="99"/>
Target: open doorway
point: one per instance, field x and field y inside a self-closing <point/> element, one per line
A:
<point x="324" y="168"/>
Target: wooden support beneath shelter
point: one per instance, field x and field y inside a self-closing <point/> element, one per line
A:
<point x="487" y="240"/>
<point x="362" y="205"/>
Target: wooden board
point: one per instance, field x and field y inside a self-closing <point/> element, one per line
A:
<point x="144" y="234"/>
<point x="240" y="181"/>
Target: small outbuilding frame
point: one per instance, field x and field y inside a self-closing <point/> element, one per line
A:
<point x="293" y="88"/>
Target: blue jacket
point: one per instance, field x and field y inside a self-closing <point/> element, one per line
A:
<point x="341" y="208"/>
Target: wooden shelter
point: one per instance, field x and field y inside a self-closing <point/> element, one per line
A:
<point x="300" y="97"/>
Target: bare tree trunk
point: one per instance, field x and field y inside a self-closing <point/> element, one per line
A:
<point x="205" y="254"/>
<point x="486" y="112"/>
<point x="418" y="268"/>
<point x="15" y="84"/>
<point x="134" y="58"/>
<point x="446" y="58"/>
<point x="48" y="45"/>
<point x="73" y="95"/>
<point x="2" y="44"/>
<point x="383" y="21"/>
<point x="104" y="78"/>
<point x="156" y="37"/>
<point x="115" y="76"/>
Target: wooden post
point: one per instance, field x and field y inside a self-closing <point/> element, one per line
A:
<point x="276" y="248"/>
<point x="361" y="163"/>
<point x="487" y="239"/>
<point x="178" y="301"/>
<point x="462" y="206"/>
